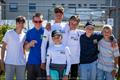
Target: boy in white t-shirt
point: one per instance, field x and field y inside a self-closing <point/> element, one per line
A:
<point x="58" y="59"/>
<point x="13" y="42"/>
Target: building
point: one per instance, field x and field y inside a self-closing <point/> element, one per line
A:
<point x="27" y="8"/>
<point x="1" y="2"/>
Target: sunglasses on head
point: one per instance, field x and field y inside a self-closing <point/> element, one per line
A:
<point x="37" y="21"/>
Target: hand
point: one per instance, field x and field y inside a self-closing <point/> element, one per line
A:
<point x="114" y="73"/>
<point x="32" y="43"/>
<point x="65" y="77"/>
<point x="48" y="26"/>
<point x="42" y="66"/>
<point x="48" y="77"/>
<point x="113" y="44"/>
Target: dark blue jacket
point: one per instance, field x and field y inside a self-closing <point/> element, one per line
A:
<point x="89" y="48"/>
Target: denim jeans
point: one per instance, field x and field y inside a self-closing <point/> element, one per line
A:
<point x="88" y="71"/>
<point x="104" y="75"/>
<point x="18" y="70"/>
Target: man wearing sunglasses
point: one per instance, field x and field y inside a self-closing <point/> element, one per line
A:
<point x="13" y="44"/>
<point x="33" y="43"/>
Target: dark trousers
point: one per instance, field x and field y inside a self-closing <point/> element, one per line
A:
<point x="34" y="72"/>
<point x="74" y="72"/>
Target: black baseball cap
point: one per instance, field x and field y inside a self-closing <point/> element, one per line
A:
<point x="88" y="24"/>
<point x="56" y="33"/>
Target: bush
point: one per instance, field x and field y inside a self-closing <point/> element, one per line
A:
<point x="3" y="29"/>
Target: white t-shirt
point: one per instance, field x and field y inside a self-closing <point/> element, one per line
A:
<point x="14" y="50"/>
<point x="73" y="42"/>
<point x="58" y="54"/>
<point x="47" y="38"/>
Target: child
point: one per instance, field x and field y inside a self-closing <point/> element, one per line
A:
<point x="58" y="59"/>
<point x="108" y="56"/>
<point x="89" y="52"/>
<point x="73" y="42"/>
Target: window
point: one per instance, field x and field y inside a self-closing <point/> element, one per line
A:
<point x="32" y="7"/>
<point x="13" y="7"/>
<point x="63" y="5"/>
<point x="79" y="5"/>
<point x="93" y="6"/>
<point x="85" y="5"/>
<point x="102" y="6"/>
<point x="54" y="5"/>
<point x="71" y="5"/>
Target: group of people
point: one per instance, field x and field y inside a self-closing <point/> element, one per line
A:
<point x="58" y="51"/>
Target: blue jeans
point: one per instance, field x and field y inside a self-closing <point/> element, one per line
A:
<point x="18" y="70"/>
<point x="103" y="75"/>
<point x="88" y="71"/>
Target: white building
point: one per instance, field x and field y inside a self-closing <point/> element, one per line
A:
<point x="27" y="8"/>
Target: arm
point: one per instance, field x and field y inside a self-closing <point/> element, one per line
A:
<point x="48" y="63"/>
<point x="28" y="42"/>
<point x="3" y="48"/>
<point x="3" y="51"/>
<point x="116" y="55"/>
<point x="28" y="45"/>
<point x="44" y="45"/>
<point x="67" y="52"/>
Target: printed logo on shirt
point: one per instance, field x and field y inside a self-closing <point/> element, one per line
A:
<point x="47" y="55"/>
<point x="43" y="37"/>
<point x="62" y="52"/>
<point x="95" y="41"/>
<point x="74" y="38"/>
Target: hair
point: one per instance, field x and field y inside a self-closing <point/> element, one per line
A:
<point x="75" y="17"/>
<point x="107" y="27"/>
<point x="59" y="8"/>
<point x="37" y="15"/>
<point x="20" y="19"/>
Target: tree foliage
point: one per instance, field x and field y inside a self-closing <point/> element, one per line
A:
<point x="3" y="29"/>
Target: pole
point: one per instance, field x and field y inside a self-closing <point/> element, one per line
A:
<point x="28" y="15"/>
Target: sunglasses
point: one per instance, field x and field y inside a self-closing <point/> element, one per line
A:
<point x="58" y="11"/>
<point x="20" y="21"/>
<point x="37" y="21"/>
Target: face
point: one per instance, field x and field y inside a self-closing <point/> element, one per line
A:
<point x="59" y="15"/>
<point x="107" y="33"/>
<point x="57" y="39"/>
<point x="73" y="24"/>
<point x="37" y="21"/>
<point x="89" y="30"/>
<point x="20" y="25"/>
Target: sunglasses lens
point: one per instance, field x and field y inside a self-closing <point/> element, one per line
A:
<point x="38" y="21"/>
<point x="58" y="11"/>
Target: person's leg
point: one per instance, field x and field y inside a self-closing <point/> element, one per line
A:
<point x="43" y="74"/>
<point x="100" y="74"/>
<point x="9" y="71"/>
<point x="83" y="70"/>
<point x="108" y="76"/>
<point x="20" y="72"/>
<point x="93" y="70"/>
<point x="74" y="72"/>
<point x="30" y="72"/>
<point x="54" y="75"/>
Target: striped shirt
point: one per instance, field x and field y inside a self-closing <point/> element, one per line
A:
<point x="106" y="55"/>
